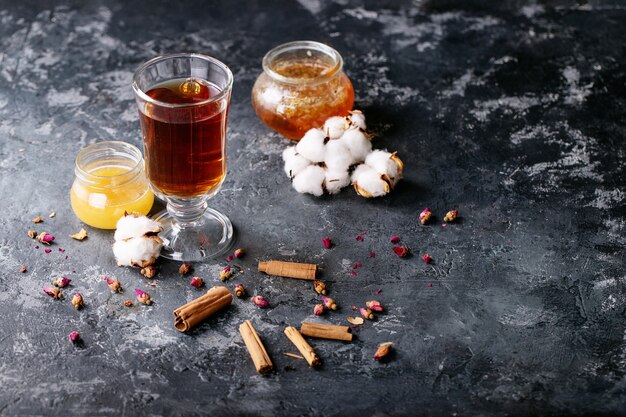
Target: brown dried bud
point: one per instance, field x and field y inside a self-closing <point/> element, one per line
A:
<point x="239" y="253"/>
<point x="32" y="234"/>
<point x="225" y="274"/>
<point x="240" y="291"/>
<point x="77" y="301"/>
<point x="148" y="271"/>
<point x="329" y="303"/>
<point x="374" y="305"/>
<point x="425" y="215"/>
<point x="319" y="309"/>
<point x="128" y="303"/>
<point x="383" y="350"/>
<point x="320" y="287"/>
<point x="37" y="220"/>
<point x="184" y="269"/>
<point x="450" y="216"/>
<point x="367" y="313"/>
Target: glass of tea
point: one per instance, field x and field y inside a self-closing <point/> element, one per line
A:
<point x="183" y="102"/>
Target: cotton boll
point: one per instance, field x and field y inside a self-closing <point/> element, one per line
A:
<point x="358" y="144"/>
<point x="310" y="180"/>
<point x="294" y="162"/>
<point x="383" y="162"/>
<point x="135" y="225"/>
<point x="369" y="183"/>
<point x="336" y="180"/>
<point x="335" y="126"/>
<point x="138" y="252"/>
<point x="312" y="145"/>
<point x="338" y="156"/>
<point x="357" y="118"/>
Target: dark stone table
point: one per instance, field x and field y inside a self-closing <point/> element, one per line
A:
<point x="512" y="112"/>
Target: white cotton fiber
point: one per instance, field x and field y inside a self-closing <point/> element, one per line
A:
<point x="370" y="181"/>
<point x="135" y="225"/>
<point x="335" y="126"/>
<point x="357" y="143"/>
<point x="310" y="180"/>
<point x="137" y="252"/>
<point x="381" y="161"/>
<point x="338" y="156"/>
<point x="294" y="162"/>
<point x="312" y="146"/>
<point x="357" y="118"/>
<point x="336" y="180"/>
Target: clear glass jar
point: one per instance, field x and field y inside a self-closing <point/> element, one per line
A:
<point x="301" y="86"/>
<point x="110" y="179"/>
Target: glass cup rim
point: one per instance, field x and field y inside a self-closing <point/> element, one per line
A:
<point x="126" y="148"/>
<point x="306" y="45"/>
<point x="225" y="91"/>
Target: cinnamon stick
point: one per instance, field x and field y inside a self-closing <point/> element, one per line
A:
<point x="305" y="349"/>
<point x="257" y="351"/>
<point x="326" y="331"/>
<point x="196" y="311"/>
<point x="289" y="269"/>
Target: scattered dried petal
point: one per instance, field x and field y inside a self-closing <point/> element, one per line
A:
<point x="32" y="234"/>
<point x="374" y="305"/>
<point x="225" y="273"/>
<point x="52" y="215"/>
<point x="383" y="350"/>
<point x="197" y="282"/>
<point x="81" y="235"/>
<point x="353" y="273"/>
<point x="367" y="313"/>
<point x="74" y="337"/>
<point x="143" y="297"/>
<point x="239" y="253"/>
<point x="240" y="291"/>
<point x="45" y="238"/>
<point x="356" y="320"/>
<point x="395" y="239"/>
<point x="260" y="301"/>
<point x="229" y="258"/>
<point x="48" y="250"/>
<point x="401" y="251"/>
<point x="327" y="242"/>
<point x="152" y="284"/>
<point x="61" y="282"/>
<point x="329" y="303"/>
<point x="184" y="269"/>
<point x="319" y="309"/>
<point x="427" y="258"/>
<point x="425" y="215"/>
<point x="37" y="220"/>
<point x="23" y="269"/>
<point x="357" y="265"/>
<point x="148" y="271"/>
<point x="53" y="292"/>
<point x="128" y="303"/>
<point x="372" y="254"/>
<point x="429" y="285"/>
<point x="77" y="301"/>
<point x="61" y="250"/>
<point x="378" y="291"/>
<point x="320" y="287"/>
<point x="451" y="216"/>
<point x="359" y="238"/>
<point x="113" y="284"/>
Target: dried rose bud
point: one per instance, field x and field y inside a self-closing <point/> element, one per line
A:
<point x="320" y="287"/>
<point x="450" y="216"/>
<point x="23" y="269"/>
<point x="77" y="301"/>
<point x="394" y="239"/>
<point x="225" y="273"/>
<point x="53" y="292"/>
<point x="61" y="282"/>
<point x="196" y="282"/>
<point x="229" y="258"/>
<point x="374" y="305"/>
<point x="184" y="269"/>
<point x="401" y="251"/>
<point x="45" y="238"/>
<point x="113" y="284"/>
<point x="240" y="291"/>
<point x="32" y="234"/>
<point x="425" y="215"/>
<point x="319" y="309"/>
<point x="37" y="220"/>
<point x="143" y="297"/>
<point x="260" y="301"/>
<point x="427" y="258"/>
<point x="367" y="313"/>
<point x="148" y="271"/>
<point x="239" y="253"/>
<point x="128" y="303"/>
<point x="329" y="303"/>
<point x="74" y="337"/>
<point x="327" y="242"/>
<point x="383" y="350"/>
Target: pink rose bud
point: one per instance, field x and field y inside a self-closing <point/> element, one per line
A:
<point x="197" y="282"/>
<point x="239" y="253"/>
<point x="47" y="238"/>
<point x="327" y="242"/>
<point x="401" y="251"/>
<point x="260" y="301"/>
<point x="61" y="282"/>
<point x="451" y="216"/>
<point x="319" y="309"/>
<point x="329" y="303"/>
<point x="425" y="215"/>
<point x="374" y="305"/>
<point x="143" y="297"/>
<point x="113" y="284"/>
<point x="53" y="292"/>
<point x="74" y="337"/>
<point x="394" y="239"/>
<point x="367" y="313"/>
<point x="427" y="258"/>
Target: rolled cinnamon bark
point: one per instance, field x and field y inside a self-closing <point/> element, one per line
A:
<point x="326" y="331"/>
<point x="305" y="349"/>
<point x="257" y="351"/>
<point x="289" y="269"/>
<point x="195" y="312"/>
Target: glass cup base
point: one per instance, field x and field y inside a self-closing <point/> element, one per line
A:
<point x="208" y="237"/>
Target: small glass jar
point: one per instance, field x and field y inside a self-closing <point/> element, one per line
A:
<point x="301" y="86"/>
<point x="109" y="180"/>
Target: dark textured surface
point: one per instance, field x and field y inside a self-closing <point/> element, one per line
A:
<point x="511" y="112"/>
